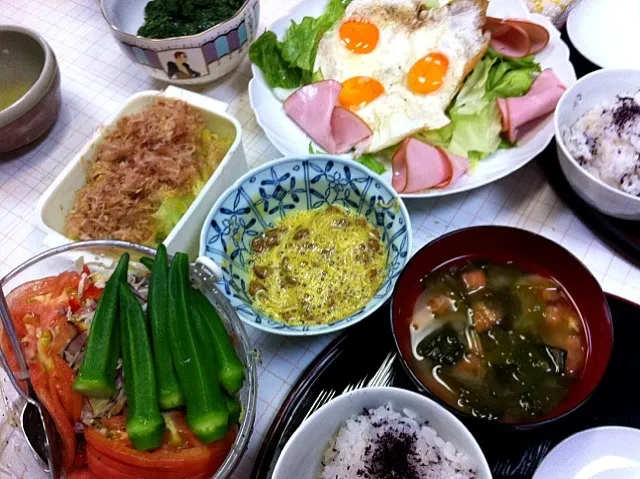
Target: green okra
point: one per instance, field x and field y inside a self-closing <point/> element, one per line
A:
<point x="207" y="413"/>
<point x="96" y="377"/>
<point x="145" y="425"/>
<point x="169" y="392"/>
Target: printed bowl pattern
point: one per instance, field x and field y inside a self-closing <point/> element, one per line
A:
<point x="207" y="55"/>
<point x="267" y="194"/>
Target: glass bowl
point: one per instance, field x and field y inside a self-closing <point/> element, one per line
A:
<point x="67" y="257"/>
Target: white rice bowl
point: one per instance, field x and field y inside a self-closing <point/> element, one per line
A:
<point x="369" y="446"/>
<point x="605" y="141"/>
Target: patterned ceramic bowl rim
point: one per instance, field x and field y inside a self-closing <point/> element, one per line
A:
<point x="195" y="35"/>
<point x="265" y="323"/>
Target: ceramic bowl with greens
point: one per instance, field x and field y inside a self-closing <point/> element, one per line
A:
<point x="184" y="42"/>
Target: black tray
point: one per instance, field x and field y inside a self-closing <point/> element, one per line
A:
<point x="623" y="236"/>
<point x="360" y="351"/>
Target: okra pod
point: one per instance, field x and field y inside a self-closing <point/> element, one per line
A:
<point x="96" y="377"/>
<point x="207" y="414"/>
<point x="235" y="409"/>
<point x="148" y="262"/>
<point x="229" y="367"/>
<point x="169" y="392"/>
<point x="145" y="425"/>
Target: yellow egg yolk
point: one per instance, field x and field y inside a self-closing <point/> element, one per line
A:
<point x="358" y="91"/>
<point x="426" y="75"/>
<point x="359" y="36"/>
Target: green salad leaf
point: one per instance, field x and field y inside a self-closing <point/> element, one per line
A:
<point x="474" y="131"/>
<point x="265" y="52"/>
<point x="510" y="77"/>
<point x="370" y="161"/>
<point x="289" y="63"/>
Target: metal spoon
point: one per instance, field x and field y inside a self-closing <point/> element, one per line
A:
<point x="47" y="442"/>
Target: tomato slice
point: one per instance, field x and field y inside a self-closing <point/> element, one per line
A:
<point x="111" y="455"/>
<point x="42" y="386"/>
<point x="38" y="310"/>
<point x="92" y="292"/>
<point x="61" y="385"/>
<point x="80" y="474"/>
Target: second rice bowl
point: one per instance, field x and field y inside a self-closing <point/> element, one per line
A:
<point x="344" y="434"/>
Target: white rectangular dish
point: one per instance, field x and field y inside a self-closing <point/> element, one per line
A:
<point x="58" y="198"/>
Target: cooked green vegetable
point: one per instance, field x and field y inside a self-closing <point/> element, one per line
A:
<point x="169" y="392"/>
<point x="170" y="212"/>
<point x="289" y="63"/>
<point x="442" y="346"/>
<point x="144" y="423"/>
<point x="474" y="131"/>
<point x="235" y="409"/>
<point x="177" y="18"/>
<point x="229" y="367"/>
<point x="370" y="161"/>
<point x="207" y="413"/>
<point x="510" y="343"/>
<point x="96" y="377"/>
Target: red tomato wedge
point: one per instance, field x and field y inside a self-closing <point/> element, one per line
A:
<point x="110" y="454"/>
<point x="39" y="313"/>
<point x="42" y="386"/>
<point x="80" y="474"/>
<point x="61" y="385"/>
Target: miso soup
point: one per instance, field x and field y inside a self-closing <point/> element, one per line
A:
<point x="497" y="342"/>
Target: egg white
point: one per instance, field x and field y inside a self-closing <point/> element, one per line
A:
<point x="408" y="32"/>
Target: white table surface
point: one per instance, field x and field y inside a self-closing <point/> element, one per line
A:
<point x="97" y="77"/>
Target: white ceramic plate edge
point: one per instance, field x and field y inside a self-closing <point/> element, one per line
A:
<point x="552" y="465"/>
<point x="291" y="140"/>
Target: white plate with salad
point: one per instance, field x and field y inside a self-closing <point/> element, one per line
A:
<point x="341" y="55"/>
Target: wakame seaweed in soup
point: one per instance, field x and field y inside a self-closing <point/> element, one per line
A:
<point x="497" y="342"/>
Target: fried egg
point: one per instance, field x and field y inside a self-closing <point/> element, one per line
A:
<point x="401" y="64"/>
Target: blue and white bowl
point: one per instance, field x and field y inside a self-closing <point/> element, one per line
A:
<point x="270" y="192"/>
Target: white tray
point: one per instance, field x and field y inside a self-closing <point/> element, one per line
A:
<point x="58" y="198"/>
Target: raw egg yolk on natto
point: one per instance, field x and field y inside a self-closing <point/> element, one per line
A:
<point x="358" y="91"/>
<point x="358" y="36"/>
<point x="426" y="75"/>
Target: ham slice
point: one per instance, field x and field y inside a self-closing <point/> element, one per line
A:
<point x="517" y="38"/>
<point x="418" y="166"/>
<point x="541" y="100"/>
<point x="313" y="108"/>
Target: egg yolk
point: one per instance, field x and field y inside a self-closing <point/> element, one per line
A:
<point x="358" y="91"/>
<point x="426" y="75"/>
<point x="359" y="36"/>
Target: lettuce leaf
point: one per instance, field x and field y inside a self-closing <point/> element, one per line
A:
<point x="510" y="77"/>
<point x="476" y="136"/>
<point x="301" y="39"/>
<point x="289" y="64"/>
<point x="370" y="161"/>
<point x="475" y="128"/>
<point x="472" y="97"/>
<point x="265" y="53"/>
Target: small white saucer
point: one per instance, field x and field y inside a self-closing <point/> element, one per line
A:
<point x="609" y="452"/>
<point x="606" y="32"/>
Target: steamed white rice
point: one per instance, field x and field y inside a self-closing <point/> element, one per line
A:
<point x="606" y="143"/>
<point x="374" y="445"/>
